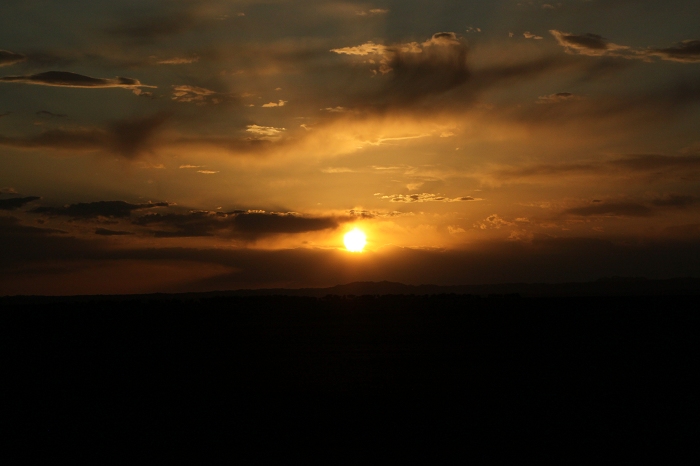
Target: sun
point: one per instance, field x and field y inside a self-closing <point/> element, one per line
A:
<point x="355" y="240"/>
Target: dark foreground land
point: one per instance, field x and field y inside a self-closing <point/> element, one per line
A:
<point x="617" y="363"/>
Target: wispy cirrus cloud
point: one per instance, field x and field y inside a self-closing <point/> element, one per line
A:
<point x="68" y="79"/>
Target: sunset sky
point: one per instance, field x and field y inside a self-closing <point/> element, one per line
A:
<point x="174" y="145"/>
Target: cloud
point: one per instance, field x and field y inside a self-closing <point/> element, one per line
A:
<point x="653" y="162"/>
<point x="8" y="190"/>
<point x="440" y="67"/>
<point x="368" y="48"/>
<point x="46" y="113"/>
<point x="628" y="164"/>
<point x="265" y="132"/>
<point x="335" y="109"/>
<point x="417" y="70"/>
<point x="493" y="221"/>
<point x="611" y="209"/>
<point x="17" y="202"/>
<point x="275" y="104"/>
<point x="177" y="61"/>
<point x="529" y="35"/>
<point x="337" y="170"/>
<point x="128" y="138"/>
<point x="587" y="44"/>
<point x="556" y="98"/>
<point x="105" y="232"/>
<point x="246" y="225"/>
<point x="207" y="172"/>
<point x="687" y="51"/>
<point x="88" y="210"/>
<point x="198" y="95"/>
<point x="10" y="58"/>
<point x="424" y="197"/>
<point x="191" y="166"/>
<point x="371" y="12"/>
<point x="634" y="209"/>
<point x="675" y="200"/>
<point x="68" y="79"/>
<point x="370" y="214"/>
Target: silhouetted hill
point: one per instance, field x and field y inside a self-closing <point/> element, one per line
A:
<point x="610" y="286"/>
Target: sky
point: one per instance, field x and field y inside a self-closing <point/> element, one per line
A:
<point x="176" y="145"/>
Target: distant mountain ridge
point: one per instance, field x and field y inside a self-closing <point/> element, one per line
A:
<point x="611" y="286"/>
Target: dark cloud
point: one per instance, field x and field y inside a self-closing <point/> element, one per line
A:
<point x="86" y="210"/>
<point x="612" y="209"/>
<point x="675" y="200"/>
<point x="128" y="138"/>
<point x="687" y="51"/>
<point x="68" y="79"/>
<point x="10" y="58"/>
<point x="8" y="190"/>
<point x="239" y="224"/>
<point x="439" y="68"/>
<point x="16" y="203"/>
<point x="131" y="137"/>
<point x="413" y="71"/>
<point x="105" y="232"/>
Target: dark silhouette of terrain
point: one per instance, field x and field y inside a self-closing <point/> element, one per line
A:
<point x="430" y="359"/>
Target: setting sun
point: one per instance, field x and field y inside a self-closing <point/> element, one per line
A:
<point x="355" y="240"/>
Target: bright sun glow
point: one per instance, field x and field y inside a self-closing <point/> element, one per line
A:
<point x="355" y="240"/>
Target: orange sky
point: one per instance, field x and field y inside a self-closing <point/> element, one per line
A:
<point x="198" y="145"/>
